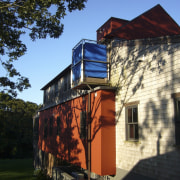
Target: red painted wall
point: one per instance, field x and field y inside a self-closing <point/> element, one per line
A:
<point x="68" y="144"/>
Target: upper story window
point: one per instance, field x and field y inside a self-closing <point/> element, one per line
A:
<point x="56" y="89"/>
<point x="45" y="96"/>
<point x="66" y="82"/>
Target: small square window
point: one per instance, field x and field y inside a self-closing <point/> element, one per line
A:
<point x="132" y="130"/>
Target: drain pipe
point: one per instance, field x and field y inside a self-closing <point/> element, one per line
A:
<point x="89" y="135"/>
<point x="89" y="132"/>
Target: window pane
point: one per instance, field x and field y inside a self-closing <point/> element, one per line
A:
<point x="131" y="131"/>
<point x="129" y="115"/>
<point x="136" y="131"/>
<point x="135" y="115"/>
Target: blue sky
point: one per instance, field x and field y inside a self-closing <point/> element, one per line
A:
<point x="45" y="59"/>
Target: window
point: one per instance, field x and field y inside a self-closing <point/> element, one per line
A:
<point x="176" y="97"/>
<point x="132" y="131"/>
<point x="45" y="128"/>
<point x="67" y="84"/>
<point x="58" y="126"/>
<point x="51" y="126"/>
<point x="83" y="124"/>
<point x="56" y="89"/>
<point x="45" y="96"/>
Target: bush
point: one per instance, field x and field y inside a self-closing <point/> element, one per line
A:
<point x="41" y="174"/>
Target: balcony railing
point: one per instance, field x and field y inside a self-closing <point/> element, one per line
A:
<point x="89" y="64"/>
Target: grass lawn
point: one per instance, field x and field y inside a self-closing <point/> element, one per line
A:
<point x="16" y="169"/>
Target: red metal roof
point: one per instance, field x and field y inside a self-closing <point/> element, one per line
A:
<point x="153" y="23"/>
<point x="110" y="25"/>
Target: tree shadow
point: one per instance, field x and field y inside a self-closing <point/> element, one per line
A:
<point x="135" y="62"/>
<point x="68" y="145"/>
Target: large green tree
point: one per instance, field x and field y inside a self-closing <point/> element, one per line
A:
<point x="16" y="132"/>
<point x="35" y="17"/>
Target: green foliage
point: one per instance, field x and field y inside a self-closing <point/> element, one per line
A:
<point x="16" y="132"/>
<point x="41" y="174"/>
<point x="18" y="17"/>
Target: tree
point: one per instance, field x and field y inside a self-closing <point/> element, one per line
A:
<point x="18" y="17"/>
<point x="16" y="132"/>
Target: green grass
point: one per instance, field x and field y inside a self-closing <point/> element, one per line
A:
<point x="16" y="169"/>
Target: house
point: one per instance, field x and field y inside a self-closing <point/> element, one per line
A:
<point x="115" y="111"/>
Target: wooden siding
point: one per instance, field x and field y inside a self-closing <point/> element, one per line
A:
<point x="68" y="144"/>
<point x="147" y="71"/>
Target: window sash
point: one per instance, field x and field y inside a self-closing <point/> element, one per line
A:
<point x="132" y="122"/>
<point x="133" y="131"/>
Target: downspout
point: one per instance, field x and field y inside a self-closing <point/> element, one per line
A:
<point x="89" y="135"/>
<point x="89" y="132"/>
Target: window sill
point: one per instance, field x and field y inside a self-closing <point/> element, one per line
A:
<point x="133" y="141"/>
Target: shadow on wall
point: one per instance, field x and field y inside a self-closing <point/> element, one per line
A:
<point x="138" y="60"/>
<point x="56" y="139"/>
<point x="158" y="166"/>
<point x="67" y="143"/>
<point x="157" y="123"/>
<point x="62" y="138"/>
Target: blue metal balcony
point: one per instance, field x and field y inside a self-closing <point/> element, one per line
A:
<point x="89" y="64"/>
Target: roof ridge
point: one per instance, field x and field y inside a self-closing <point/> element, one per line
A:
<point x="147" y="14"/>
